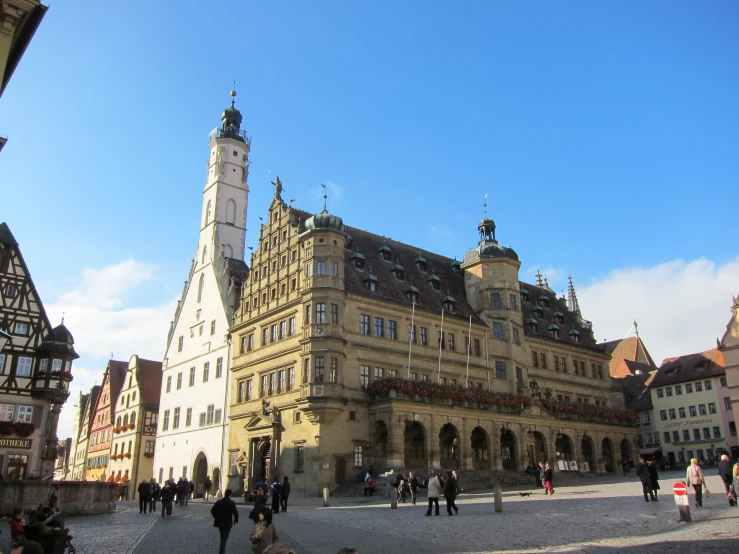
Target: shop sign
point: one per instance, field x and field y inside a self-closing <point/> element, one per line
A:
<point x="16" y="443"/>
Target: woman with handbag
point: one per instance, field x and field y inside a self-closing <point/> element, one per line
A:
<point x="694" y="477"/>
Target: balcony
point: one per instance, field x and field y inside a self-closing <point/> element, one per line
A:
<point x="322" y="390"/>
<point x="232" y="134"/>
<point x="324" y="330"/>
<point x="322" y="402"/>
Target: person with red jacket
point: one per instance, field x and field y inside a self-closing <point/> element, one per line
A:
<point x="17" y="531"/>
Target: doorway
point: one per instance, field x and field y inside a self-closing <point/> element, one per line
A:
<point x="340" y="471"/>
<point x="200" y="473"/>
<point x="17" y="466"/>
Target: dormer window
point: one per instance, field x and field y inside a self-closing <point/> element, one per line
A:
<point x="358" y="260"/>
<point x="559" y="317"/>
<point x="525" y="295"/>
<point x="434" y="281"/>
<point x="538" y="310"/>
<point x="554" y="330"/>
<point x="398" y="271"/>
<point x="412" y="293"/>
<point x="420" y="263"/>
<point x="349" y="241"/>
<point x="532" y="324"/>
<point x="385" y="252"/>
<point x="575" y="336"/>
<point x="371" y="282"/>
<point x="448" y="303"/>
<point x="456" y="267"/>
<point x="543" y="300"/>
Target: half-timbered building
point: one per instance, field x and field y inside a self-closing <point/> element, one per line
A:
<point x="35" y="370"/>
<point x="101" y="427"/>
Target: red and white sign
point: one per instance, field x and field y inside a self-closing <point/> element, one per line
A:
<point x="679" y="489"/>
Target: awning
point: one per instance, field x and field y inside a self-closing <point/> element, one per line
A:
<point x="649" y="451"/>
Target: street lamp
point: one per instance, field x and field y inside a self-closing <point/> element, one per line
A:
<point x="4" y="339"/>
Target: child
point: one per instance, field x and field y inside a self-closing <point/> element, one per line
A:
<point x="403" y="489"/>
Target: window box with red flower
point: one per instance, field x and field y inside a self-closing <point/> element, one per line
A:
<point x="149" y="454"/>
<point x="127" y="455"/>
<point x="16" y="428"/>
<point x="130" y="426"/>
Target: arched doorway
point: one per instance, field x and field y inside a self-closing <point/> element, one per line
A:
<point x="626" y="451"/>
<point x="480" y="451"/>
<point x="414" y="445"/>
<point x="448" y="447"/>
<point x="508" y="449"/>
<point x="199" y="473"/>
<point x="606" y="450"/>
<point x="563" y="448"/>
<point x="539" y="453"/>
<point x="587" y="453"/>
<point x="261" y="469"/>
<point x="380" y="445"/>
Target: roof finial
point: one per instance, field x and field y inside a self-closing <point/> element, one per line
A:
<point x="539" y="282"/>
<point x="62" y="318"/>
<point x="636" y="328"/>
<point x="233" y="94"/>
<point x="485" y="204"/>
<point x="572" y="303"/>
<point x="324" y="196"/>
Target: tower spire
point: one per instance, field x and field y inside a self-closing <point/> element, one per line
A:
<point x="539" y="282"/>
<point x="572" y="303"/>
<point x="636" y="328"/>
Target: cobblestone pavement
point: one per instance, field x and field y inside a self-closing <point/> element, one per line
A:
<point x="602" y="516"/>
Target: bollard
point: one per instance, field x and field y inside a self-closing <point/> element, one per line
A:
<point x="681" y="499"/>
<point x="394" y="498"/>
<point x="498" y="499"/>
<point x="325" y="497"/>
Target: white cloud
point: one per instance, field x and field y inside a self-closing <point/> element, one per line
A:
<point x="442" y="232"/>
<point x="681" y="307"/>
<point x="99" y="312"/>
<point x="555" y="276"/>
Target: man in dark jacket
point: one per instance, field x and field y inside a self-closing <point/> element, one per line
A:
<point x="144" y="493"/>
<point x="285" y="493"/>
<point x="225" y="515"/>
<point x="542" y="474"/>
<point x="155" y="492"/>
<point x="182" y="488"/>
<point x="724" y="471"/>
<point x="413" y="482"/>
<point x="276" y="492"/>
<point x="207" y="484"/>
<point x="260" y="503"/>
<point x="168" y="491"/>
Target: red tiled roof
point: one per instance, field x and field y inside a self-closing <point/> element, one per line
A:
<point x="631" y="349"/>
<point x="150" y="380"/>
<point x="690" y="367"/>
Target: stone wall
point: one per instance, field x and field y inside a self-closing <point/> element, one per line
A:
<point x="73" y="497"/>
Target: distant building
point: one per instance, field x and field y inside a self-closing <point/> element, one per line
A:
<point x="101" y="426"/>
<point x="627" y="352"/>
<point x="638" y="397"/>
<point x="729" y="398"/>
<point x="691" y="414"/>
<point x="135" y="427"/>
<point x="62" y="462"/>
<point x="35" y="370"/>
<point x="82" y="433"/>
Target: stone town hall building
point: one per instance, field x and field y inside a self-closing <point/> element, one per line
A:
<point x="343" y="360"/>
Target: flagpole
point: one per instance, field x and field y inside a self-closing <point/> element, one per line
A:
<point x="411" y="336"/>
<point x="469" y="344"/>
<point x="441" y="339"/>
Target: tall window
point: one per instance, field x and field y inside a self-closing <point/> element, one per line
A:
<point x="241" y="394"/>
<point x="281" y="380"/>
<point x="516" y="336"/>
<point x="165" y="420"/>
<point x="308" y="314"/>
<point x="513" y="302"/>
<point x="299" y="458"/>
<point x="424" y="336"/>
<point x="498" y="330"/>
<point x="24" y="366"/>
<point x="495" y="300"/>
<point x="334" y="269"/>
<point x="201" y="284"/>
<point x="273" y="383"/>
<point x="291" y="378"/>
<point x="210" y="414"/>
<point x="188" y="417"/>
<point x="283" y="329"/>
<point x="273" y="333"/>
<point x="176" y="419"/>
<point x="334" y="369"/>
<point x="335" y="314"/>
<point x="500" y="370"/>
<point x="265" y="384"/>
<point x="364" y="376"/>
<point x="320" y="313"/>
<point x="321" y="268"/>
<point x="450" y="338"/>
<point x="476" y="345"/>
<point x="213" y="327"/>
<point x="180" y="342"/>
<point x="306" y="370"/>
<point x="319" y="369"/>
<point x="291" y="327"/>
<point x="191" y="382"/>
<point x="358" y="457"/>
<point x="379" y="373"/>
<point x="392" y="329"/>
<point x="169" y="385"/>
<point x="219" y="367"/>
<point x="248" y="389"/>
<point x="206" y="371"/>
<point x="412" y="331"/>
<point x="379" y="326"/>
<point x="179" y="380"/>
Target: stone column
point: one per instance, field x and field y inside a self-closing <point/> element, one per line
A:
<point x="396" y="441"/>
<point x="495" y="439"/>
<point x="432" y="442"/>
<point x="465" y="447"/>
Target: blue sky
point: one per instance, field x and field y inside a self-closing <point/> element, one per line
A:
<point x="604" y="133"/>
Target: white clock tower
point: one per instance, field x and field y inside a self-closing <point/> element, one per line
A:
<point x="192" y="426"/>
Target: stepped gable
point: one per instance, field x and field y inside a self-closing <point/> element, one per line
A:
<point x="150" y="380"/>
<point x="391" y="289"/>
<point x="571" y="322"/>
<point x="691" y="367"/>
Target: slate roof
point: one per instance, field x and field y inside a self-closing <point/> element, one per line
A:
<point x="571" y="320"/>
<point x="635" y="389"/>
<point x="691" y="367"/>
<point x="237" y="269"/>
<point x="630" y="349"/>
<point x="150" y="380"/>
<point x="59" y="340"/>
<point x="6" y="237"/>
<point x="90" y="408"/>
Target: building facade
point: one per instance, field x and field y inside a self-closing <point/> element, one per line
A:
<point x="729" y="346"/>
<point x="35" y="370"/>
<point x="354" y="351"/>
<point x="136" y="418"/>
<point x="79" y="461"/>
<point x="192" y="435"/>
<point x="101" y="426"/>
<point x="692" y="416"/>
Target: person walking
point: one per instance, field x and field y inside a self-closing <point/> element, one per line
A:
<point x="434" y="491"/>
<point x="724" y="471"/>
<point x="190" y="490"/>
<point x="260" y="503"/>
<point x="625" y="468"/>
<point x="225" y="515"/>
<point x="144" y="491"/>
<point x="653" y="479"/>
<point x="155" y="493"/>
<point x="734" y="490"/>
<point x="17" y="530"/>
<point x="276" y="491"/>
<point x="207" y="484"/>
<point x="548" y="479"/>
<point x="694" y="477"/>
<point x="450" y="493"/>
<point x="413" y="484"/>
<point x="168" y="491"/>
<point x="403" y="490"/>
<point x="542" y="471"/>
<point x="264" y="532"/>
<point x="642" y="472"/>
<point x="285" y="493"/>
